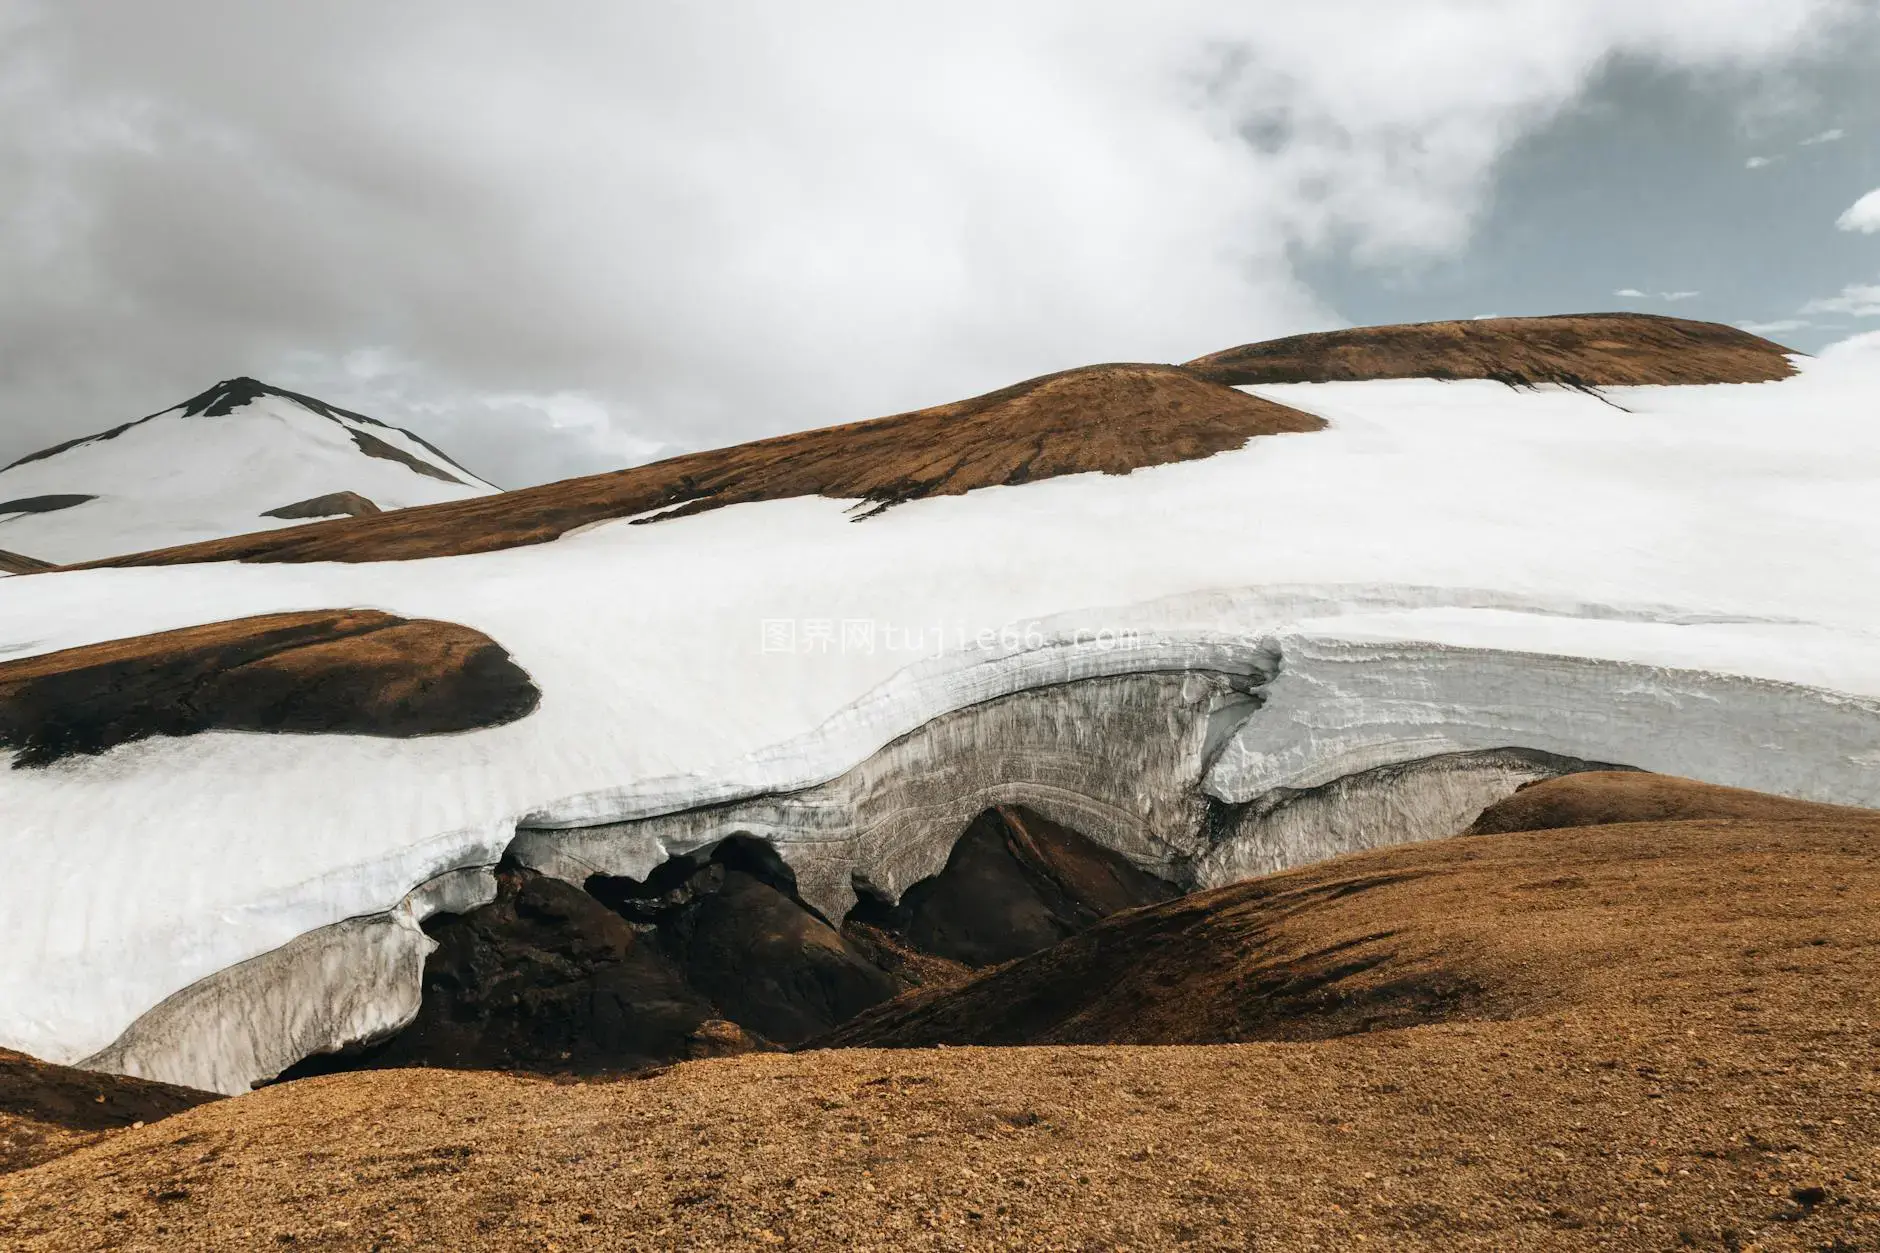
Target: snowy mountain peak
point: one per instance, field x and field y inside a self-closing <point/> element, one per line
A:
<point x="241" y="456"/>
<point x="229" y="395"/>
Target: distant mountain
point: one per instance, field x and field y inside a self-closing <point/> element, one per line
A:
<point x="240" y="457"/>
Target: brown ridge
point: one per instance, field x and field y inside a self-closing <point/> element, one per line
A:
<point x="1575" y="350"/>
<point x="1107" y="418"/>
<point x="331" y="505"/>
<point x="337" y="671"/>
<point x="1599" y="797"/>
<point x="1438" y="932"/>
<point x="19" y="563"/>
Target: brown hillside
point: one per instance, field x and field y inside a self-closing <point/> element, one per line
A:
<point x="1108" y="418"/>
<point x="1647" y="1036"/>
<point x="1598" y="797"/>
<point x="331" y="505"/>
<point x="338" y="671"/>
<point x="1576" y="350"/>
<point x="19" y="563"/>
<point x="1524" y="925"/>
<point x="47" y="1111"/>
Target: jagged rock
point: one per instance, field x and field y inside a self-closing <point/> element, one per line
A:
<point x="1016" y="883"/>
<point x="736" y="928"/>
<point x="547" y="978"/>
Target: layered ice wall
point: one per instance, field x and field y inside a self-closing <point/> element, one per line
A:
<point x="1312" y="749"/>
<point x="1333" y="640"/>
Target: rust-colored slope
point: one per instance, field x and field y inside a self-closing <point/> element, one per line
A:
<point x="1488" y="927"/>
<point x="1108" y="418"/>
<point x="1682" y="1055"/>
<point x="19" y="563"/>
<point x="1577" y="350"/>
<point x="340" y="671"/>
<point x="1599" y="797"/>
<point x="47" y="1110"/>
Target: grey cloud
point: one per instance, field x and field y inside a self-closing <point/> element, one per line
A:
<point x="579" y="233"/>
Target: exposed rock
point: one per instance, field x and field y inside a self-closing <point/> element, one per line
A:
<point x="1016" y="883"/>
<point x="1575" y="350"/>
<point x="331" y="505"/>
<point x="51" y="502"/>
<point x="1108" y="418"/>
<point x="342" y="671"/>
<point x="716" y="953"/>
<point x="372" y="446"/>
<point x="546" y="978"/>
<point x="905" y="964"/>
<point x="742" y="937"/>
<point x="1596" y="799"/>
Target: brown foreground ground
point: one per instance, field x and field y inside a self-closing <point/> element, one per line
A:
<point x="1634" y="1035"/>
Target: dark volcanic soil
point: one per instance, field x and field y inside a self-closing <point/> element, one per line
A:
<point x="1670" y="1039"/>
<point x="715" y="953"/>
<point x="1109" y="418"/>
<point x="1016" y="883"/>
<point x="1576" y="350"/>
<point x="341" y="671"/>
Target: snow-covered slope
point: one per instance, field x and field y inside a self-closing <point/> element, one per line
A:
<point x="219" y="464"/>
<point x="1346" y="623"/>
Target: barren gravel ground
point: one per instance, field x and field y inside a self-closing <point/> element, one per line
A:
<point x="1675" y="1045"/>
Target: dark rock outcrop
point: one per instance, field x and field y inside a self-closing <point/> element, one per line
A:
<point x="1015" y="884"/>
<point x="51" y="502"/>
<point x="736" y="928"/>
<point x="546" y="978"/>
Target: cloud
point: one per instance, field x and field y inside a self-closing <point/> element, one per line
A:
<point x="1633" y="293"/>
<point x="1853" y="345"/>
<point x="1856" y="300"/>
<point x="1756" y="163"/>
<point x="568" y="433"/>
<point x="1864" y="216"/>
<point x="1825" y="137"/>
<point x="584" y="229"/>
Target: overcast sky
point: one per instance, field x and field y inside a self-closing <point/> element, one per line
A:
<point x="568" y="236"/>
